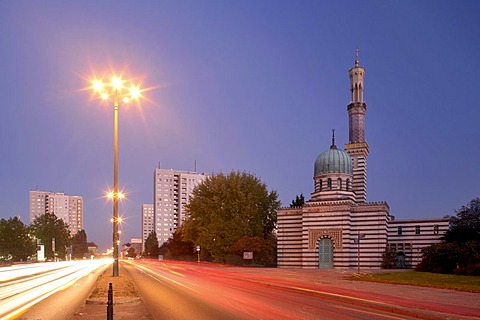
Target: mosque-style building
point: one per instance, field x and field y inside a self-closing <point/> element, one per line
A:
<point x="337" y="227"/>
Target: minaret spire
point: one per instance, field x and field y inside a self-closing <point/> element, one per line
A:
<point x="333" y="146"/>
<point x="357" y="147"/>
<point x="356" y="58"/>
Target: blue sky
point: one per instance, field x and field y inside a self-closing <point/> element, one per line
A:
<point x="253" y="86"/>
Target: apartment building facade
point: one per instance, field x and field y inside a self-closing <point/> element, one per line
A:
<point x="68" y="208"/>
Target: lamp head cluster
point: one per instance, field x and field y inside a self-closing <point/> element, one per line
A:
<point x="119" y="195"/>
<point x="116" y="89"/>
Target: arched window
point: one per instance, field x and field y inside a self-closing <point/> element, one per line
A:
<point x="348" y="184"/>
<point x="329" y="184"/>
<point x="320" y="184"/>
<point x="339" y="184"/>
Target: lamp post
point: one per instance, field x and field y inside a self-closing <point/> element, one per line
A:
<point x="116" y="91"/>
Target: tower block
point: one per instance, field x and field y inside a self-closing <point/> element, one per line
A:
<point x="357" y="147"/>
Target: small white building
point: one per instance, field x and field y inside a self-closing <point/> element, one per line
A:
<point x="337" y="227"/>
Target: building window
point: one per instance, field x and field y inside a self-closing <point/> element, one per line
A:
<point x="329" y="184"/>
<point x="320" y="184"/>
<point x="339" y="184"/>
<point x="417" y="229"/>
<point x="435" y="229"/>
<point x="348" y="184"/>
<point x="400" y="231"/>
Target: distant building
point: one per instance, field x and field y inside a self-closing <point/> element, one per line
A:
<point x="148" y="222"/>
<point x="137" y="244"/>
<point x="92" y="248"/>
<point x="337" y="227"/>
<point x="68" y="208"/>
<point x="172" y="191"/>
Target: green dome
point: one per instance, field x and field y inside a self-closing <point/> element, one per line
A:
<point x="333" y="161"/>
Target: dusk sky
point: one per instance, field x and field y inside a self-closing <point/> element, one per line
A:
<point x="253" y="86"/>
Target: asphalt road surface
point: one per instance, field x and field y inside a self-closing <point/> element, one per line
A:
<point x="175" y="290"/>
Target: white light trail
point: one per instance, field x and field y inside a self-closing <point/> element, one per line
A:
<point x="25" y="285"/>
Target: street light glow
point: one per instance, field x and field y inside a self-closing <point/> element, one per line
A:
<point x="120" y="195"/>
<point x="117" y="91"/>
<point x="97" y="85"/>
<point x="135" y="92"/>
<point x="117" y="83"/>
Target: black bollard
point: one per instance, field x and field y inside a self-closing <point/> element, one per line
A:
<point x="110" y="302"/>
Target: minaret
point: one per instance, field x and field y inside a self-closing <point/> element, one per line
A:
<point x="357" y="147"/>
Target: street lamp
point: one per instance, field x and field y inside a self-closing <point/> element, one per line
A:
<point x="116" y="90"/>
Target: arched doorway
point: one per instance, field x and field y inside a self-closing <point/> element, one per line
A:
<point x="325" y="253"/>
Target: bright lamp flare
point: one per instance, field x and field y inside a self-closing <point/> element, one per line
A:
<point x="111" y="195"/>
<point x="117" y="83"/>
<point x="135" y="92"/>
<point x="97" y="85"/>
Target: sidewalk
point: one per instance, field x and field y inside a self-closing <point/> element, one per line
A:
<point x="128" y="304"/>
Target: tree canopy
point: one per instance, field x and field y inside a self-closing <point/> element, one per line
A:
<point x="298" y="201"/>
<point x="465" y="226"/>
<point x="16" y="243"/>
<point x="177" y="247"/>
<point x="459" y="252"/>
<point x="79" y="244"/>
<point x="225" y="208"/>
<point x="151" y="245"/>
<point x="47" y="227"/>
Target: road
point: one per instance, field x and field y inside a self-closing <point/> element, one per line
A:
<point x="24" y="286"/>
<point x="175" y="290"/>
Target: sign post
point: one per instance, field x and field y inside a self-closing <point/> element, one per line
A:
<point x="359" y="236"/>
<point x="247" y="255"/>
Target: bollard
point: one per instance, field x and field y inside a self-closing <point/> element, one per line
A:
<point x="110" y="302"/>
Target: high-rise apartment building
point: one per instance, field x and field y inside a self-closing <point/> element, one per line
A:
<point x="148" y="222"/>
<point x="68" y="208"/>
<point x="172" y="191"/>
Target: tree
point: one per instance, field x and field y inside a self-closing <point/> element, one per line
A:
<point x="178" y="248"/>
<point x="263" y="250"/>
<point x="299" y="201"/>
<point x="151" y="245"/>
<point x="79" y="244"/>
<point x="465" y="226"/>
<point x="47" y="227"/>
<point x="389" y="258"/>
<point x="459" y="251"/>
<point x="16" y="243"/>
<point x="225" y="208"/>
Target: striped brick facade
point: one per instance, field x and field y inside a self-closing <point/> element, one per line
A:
<point x="300" y="229"/>
<point x="359" y="153"/>
<point x="409" y="237"/>
<point x="358" y="232"/>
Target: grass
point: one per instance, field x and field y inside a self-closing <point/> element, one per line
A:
<point x="425" y="279"/>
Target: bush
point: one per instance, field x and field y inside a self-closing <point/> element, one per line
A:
<point x="389" y="258"/>
<point x="264" y="250"/>
<point x="440" y="258"/>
